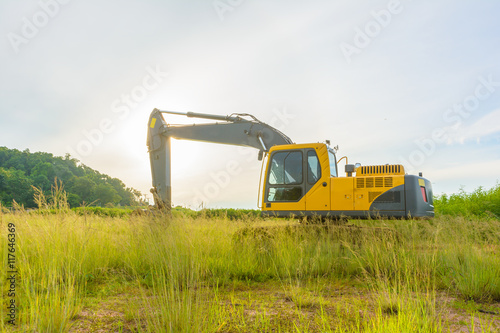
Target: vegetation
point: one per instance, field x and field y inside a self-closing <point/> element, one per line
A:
<point x="216" y="272"/>
<point x="229" y="213"/>
<point x="481" y="202"/>
<point x="21" y="171"/>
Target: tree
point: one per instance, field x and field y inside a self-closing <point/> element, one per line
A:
<point x="42" y="182"/>
<point x="74" y="200"/>
<point x="17" y="187"/>
<point x="21" y="169"/>
<point x="84" y="187"/>
<point x="106" y="194"/>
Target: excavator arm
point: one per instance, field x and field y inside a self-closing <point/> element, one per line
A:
<point x="236" y="129"/>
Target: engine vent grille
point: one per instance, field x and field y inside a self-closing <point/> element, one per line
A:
<point x="390" y="197"/>
<point x="370" y="182"/>
<point x="373" y="170"/>
<point x="388" y="181"/>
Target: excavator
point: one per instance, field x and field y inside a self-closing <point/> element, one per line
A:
<point x="298" y="180"/>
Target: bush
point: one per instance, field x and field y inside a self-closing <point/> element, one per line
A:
<point x="478" y="203"/>
<point x="100" y="211"/>
<point x="230" y="213"/>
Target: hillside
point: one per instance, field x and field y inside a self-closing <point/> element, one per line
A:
<point x="20" y="170"/>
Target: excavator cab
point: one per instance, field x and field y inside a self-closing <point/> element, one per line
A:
<point x="297" y="179"/>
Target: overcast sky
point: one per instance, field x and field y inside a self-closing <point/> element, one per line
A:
<point x="411" y="82"/>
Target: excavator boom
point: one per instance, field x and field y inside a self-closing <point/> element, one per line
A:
<point x="234" y="129"/>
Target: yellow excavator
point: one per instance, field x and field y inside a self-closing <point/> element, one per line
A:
<point x="298" y="179"/>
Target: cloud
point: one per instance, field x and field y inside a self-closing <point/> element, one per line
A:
<point x="486" y="125"/>
<point x="483" y="169"/>
<point x="263" y="56"/>
<point x="464" y="133"/>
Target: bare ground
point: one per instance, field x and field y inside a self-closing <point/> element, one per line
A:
<point x="257" y="307"/>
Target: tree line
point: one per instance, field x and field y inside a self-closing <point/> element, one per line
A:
<point x="20" y="171"/>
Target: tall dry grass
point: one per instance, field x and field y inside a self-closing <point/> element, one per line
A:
<point x="179" y="263"/>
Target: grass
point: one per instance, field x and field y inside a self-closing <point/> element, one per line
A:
<point x="88" y="272"/>
<point x="218" y="274"/>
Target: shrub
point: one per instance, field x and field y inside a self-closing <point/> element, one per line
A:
<point x="481" y="202"/>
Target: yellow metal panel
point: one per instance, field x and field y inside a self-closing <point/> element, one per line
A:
<point x="318" y="197"/>
<point x="324" y="161"/>
<point x="398" y="180"/>
<point x="298" y="146"/>
<point x="421" y="182"/>
<point x="153" y="123"/>
<point x="361" y="197"/>
<point x="342" y="190"/>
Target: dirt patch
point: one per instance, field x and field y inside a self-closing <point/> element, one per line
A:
<point x="113" y="314"/>
<point x="274" y="305"/>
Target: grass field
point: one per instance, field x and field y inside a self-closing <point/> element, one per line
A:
<point x="86" y="272"/>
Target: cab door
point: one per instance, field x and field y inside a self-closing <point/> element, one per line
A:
<point x="317" y="182"/>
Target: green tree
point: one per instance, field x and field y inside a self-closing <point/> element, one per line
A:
<point x="106" y="194"/>
<point x="17" y="187"/>
<point x="84" y="187"/>
<point x="74" y="200"/>
<point x="42" y="182"/>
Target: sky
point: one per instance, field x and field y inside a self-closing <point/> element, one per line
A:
<point x="410" y="82"/>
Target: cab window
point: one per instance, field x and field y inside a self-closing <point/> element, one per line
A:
<point x="313" y="167"/>
<point x="286" y="168"/>
<point x="285" y="177"/>
<point x="333" y="164"/>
